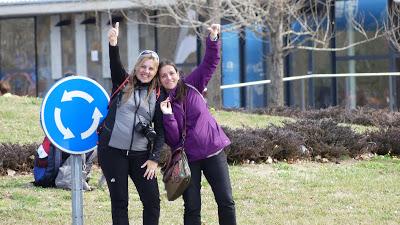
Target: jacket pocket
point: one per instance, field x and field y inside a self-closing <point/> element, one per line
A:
<point x="207" y="137"/>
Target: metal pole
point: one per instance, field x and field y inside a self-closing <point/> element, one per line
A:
<point x="392" y="79"/>
<point x="334" y="100"/>
<point x="351" y="81"/>
<point x="242" y="68"/>
<point x="77" y="195"/>
<point x="303" y="95"/>
<point x="311" y="91"/>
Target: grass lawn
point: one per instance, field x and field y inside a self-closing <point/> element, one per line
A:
<point x="353" y="192"/>
<point x="19" y="120"/>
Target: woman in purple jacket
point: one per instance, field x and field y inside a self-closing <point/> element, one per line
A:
<point x="205" y="140"/>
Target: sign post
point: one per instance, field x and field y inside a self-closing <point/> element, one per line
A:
<point x="70" y="113"/>
<point x="76" y="189"/>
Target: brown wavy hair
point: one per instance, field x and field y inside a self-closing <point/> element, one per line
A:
<point x="181" y="87"/>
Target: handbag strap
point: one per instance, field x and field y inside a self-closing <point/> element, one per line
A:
<point x="184" y="123"/>
<point x="169" y="164"/>
<point x="184" y="111"/>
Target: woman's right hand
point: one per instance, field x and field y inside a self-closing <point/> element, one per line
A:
<point x="214" y="30"/>
<point x="166" y="106"/>
<point x="113" y="34"/>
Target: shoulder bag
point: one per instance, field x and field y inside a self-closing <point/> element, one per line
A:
<point x="176" y="172"/>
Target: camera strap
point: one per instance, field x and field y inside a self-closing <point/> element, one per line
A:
<point x="147" y="115"/>
<point x="134" y="121"/>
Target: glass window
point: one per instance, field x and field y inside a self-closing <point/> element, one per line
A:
<point x="376" y="47"/>
<point x="298" y="87"/>
<point x="68" y="45"/>
<point x="370" y="91"/>
<point x="94" y="52"/>
<point x="397" y="83"/>
<point x="146" y="37"/>
<point x="123" y="44"/>
<point x="17" y="55"/>
<point x="43" y="54"/>
<point x="322" y="86"/>
<point x="178" y="45"/>
<point x="93" y="44"/>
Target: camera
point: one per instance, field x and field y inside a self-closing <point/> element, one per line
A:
<point x="146" y="130"/>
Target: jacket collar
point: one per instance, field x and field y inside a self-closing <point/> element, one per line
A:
<point x="172" y="94"/>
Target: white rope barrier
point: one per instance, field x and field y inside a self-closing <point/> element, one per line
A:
<point x="252" y="83"/>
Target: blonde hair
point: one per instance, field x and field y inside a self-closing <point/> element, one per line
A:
<point x="130" y="87"/>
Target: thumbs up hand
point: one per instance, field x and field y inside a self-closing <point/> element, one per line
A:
<point x="214" y="30"/>
<point x="113" y="34"/>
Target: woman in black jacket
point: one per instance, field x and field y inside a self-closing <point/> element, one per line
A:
<point x="128" y="143"/>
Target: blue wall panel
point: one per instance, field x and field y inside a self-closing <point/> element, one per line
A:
<point x="230" y="69"/>
<point x="255" y="66"/>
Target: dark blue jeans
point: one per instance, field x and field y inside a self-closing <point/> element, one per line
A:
<point x="116" y="167"/>
<point x="215" y="169"/>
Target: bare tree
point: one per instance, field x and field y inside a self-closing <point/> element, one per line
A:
<point x="287" y="24"/>
<point x="392" y="25"/>
<point x="213" y="90"/>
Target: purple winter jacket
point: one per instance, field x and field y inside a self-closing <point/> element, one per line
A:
<point x="204" y="137"/>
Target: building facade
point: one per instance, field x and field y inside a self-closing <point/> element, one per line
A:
<point x="43" y="40"/>
<point x="244" y="60"/>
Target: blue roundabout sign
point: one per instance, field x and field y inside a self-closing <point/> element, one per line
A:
<point x="71" y="112"/>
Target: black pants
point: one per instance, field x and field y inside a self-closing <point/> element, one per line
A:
<point x="116" y="166"/>
<point x="215" y="169"/>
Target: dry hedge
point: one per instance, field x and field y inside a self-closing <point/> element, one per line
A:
<point x="17" y="157"/>
<point x="385" y="141"/>
<point x="316" y="133"/>
<point x="304" y="139"/>
<point x="361" y="115"/>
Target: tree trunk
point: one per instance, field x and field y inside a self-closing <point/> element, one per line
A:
<point x="277" y="69"/>
<point x="213" y="87"/>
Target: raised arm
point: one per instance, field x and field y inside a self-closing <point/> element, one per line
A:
<point x="118" y="73"/>
<point x="200" y="77"/>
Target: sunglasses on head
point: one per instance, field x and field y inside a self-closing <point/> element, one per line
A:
<point x="149" y="52"/>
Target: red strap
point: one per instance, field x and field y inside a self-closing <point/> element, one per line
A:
<point x="120" y="87"/>
<point x="158" y="92"/>
<point x="46" y="145"/>
<point x="118" y="90"/>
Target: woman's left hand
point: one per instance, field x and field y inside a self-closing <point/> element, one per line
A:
<point x="150" y="170"/>
<point x="166" y="106"/>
